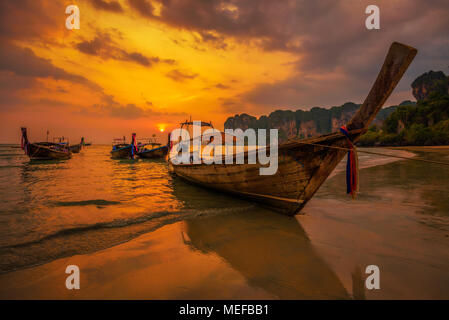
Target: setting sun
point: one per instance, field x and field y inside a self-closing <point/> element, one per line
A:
<point x="161" y="127"/>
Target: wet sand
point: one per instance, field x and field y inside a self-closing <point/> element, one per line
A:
<point x="193" y="259"/>
<point x="400" y="223"/>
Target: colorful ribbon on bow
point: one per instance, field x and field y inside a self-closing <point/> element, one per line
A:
<point x="352" y="166"/>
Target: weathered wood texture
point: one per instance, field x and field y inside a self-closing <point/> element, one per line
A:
<point x="37" y="151"/>
<point x="156" y="153"/>
<point x="302" y="167"/>
<point x="122" y="153"/>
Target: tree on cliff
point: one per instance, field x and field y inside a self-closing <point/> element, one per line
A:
<point x="426" y="123"/>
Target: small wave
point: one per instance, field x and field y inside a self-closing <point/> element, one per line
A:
<point x="95" y="202"/>
<point x="172" y="216"/>
<point x="10" y="155"/>
<point x="10" y="166"/>
<point x="85" y="239"/>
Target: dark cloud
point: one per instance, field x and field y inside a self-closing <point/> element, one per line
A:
<point x="221" y="86"/>
<point x="328" y="37"/>
<point x="10" y="82"/>
<point x="129" y="111"/>
<point x="11" y="86"/>
<point x="112" y="108"/>
<point x="144" y="7"/>
<point x="30" y="19"/>
<point x="23" y="62"/>
<point x="180" y="76"/>
<point x="215" y="40"/>
<point x="15" y="97"/>
<point x="105" y="47"/>
<point x="112" y="6"/>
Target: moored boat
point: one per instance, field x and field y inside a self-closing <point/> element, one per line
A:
<point x="122" y="150"/>
<point x="303" y="164"/>
<point x="76" y="148"/>
<point x="44" y="150"/>
<point x="152" y="150"/>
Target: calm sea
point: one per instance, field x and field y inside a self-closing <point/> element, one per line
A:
<point x="52" y="209"/>
<point x="55" y="209"/>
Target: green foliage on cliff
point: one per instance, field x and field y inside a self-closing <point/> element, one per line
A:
<point x="297" y="123"/>
<point x="425" y="123"/>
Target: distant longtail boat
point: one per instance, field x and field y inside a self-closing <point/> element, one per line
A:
<point x="76" y="148"/>
<point x="122" y="150"/>
<point x="303" y="164"/>
<point x="150" y="149"/>
<point x="44" y="150"/>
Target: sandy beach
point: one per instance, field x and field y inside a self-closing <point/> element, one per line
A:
<point x="255" y="253"/>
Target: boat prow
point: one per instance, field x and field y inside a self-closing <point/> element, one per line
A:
<point x="153" y="151"/>
<point x="44" y="150"/>
<point x="76" y="148"/>
<point x="303" y="164"/>
<point x="122" y="150"/>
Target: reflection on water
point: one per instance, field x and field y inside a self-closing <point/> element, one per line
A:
<point x="51" y="209"/>
<point x="419" y="184"/>
<point x="271" y="251"/>
<point x="56" y="209"/>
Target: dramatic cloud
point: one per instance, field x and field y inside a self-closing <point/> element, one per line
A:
<point x="180" y="76"/>
<point x="129" y="111"/>
<point x="221" y="86"/>
<point x="29" y="19"/>
<point x="113" y="6"/>
<point x="327" y="36"/>
<point x="105" y="47"/>
<point x="215" y="40"/>
<point x="243" y="56"/>
<point x="111" y="108"/>
<point x="23" y="62"/>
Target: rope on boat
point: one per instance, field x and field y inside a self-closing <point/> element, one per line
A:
<point x="376" y="153"/>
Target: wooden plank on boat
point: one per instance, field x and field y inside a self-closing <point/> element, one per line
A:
<point x="305" y="164"/>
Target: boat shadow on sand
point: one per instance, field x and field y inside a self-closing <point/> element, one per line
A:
<point x="271" y="251"/>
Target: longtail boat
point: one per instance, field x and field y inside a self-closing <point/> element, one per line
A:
<point x="123" y="150"/>
<point x="44" y="150"/>
<point x="76" y="148"/>
<point x="151" y="150"/>
<point x="303" y="164"/>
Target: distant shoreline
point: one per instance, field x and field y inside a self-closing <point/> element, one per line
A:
<point x="421" y="148"/>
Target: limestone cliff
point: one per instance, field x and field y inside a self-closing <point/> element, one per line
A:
<point x="428" y="82"/>
<point x="300" y="123"/>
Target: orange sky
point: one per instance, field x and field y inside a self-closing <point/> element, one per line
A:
<point x="139" y="65"/>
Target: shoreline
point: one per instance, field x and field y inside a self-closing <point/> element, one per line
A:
<point x="421" y="148"/>
<point x="260" y="254"/>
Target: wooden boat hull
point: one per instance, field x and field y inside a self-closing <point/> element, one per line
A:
<point x="156" y="153"/>
<point x="122" y="153"/>
<point x="38" y="151"/>
<point x="76" y="148"/>
<point x="300" y="173"/>
<point x="303" y="165"/>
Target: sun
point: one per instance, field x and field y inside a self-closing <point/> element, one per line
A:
<point x="161" y="127"/>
